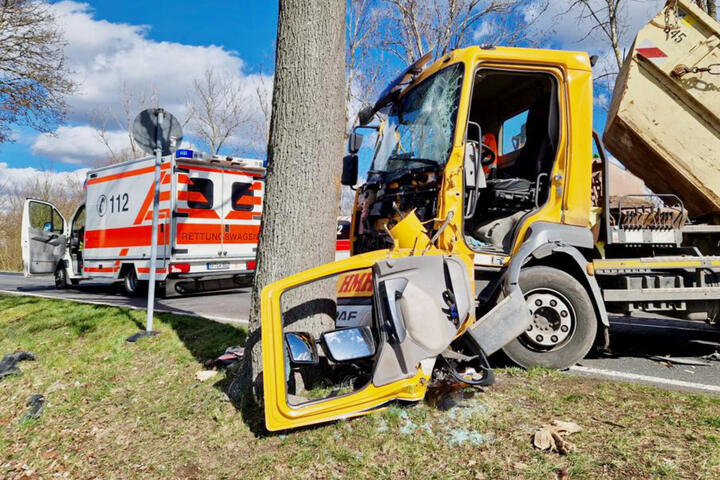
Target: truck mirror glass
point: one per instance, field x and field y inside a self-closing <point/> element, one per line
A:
<point x="301" y="348"/>
<point x="349" y="344"/>
<point x="350" y="170"/>
<point x="354" y="142"/>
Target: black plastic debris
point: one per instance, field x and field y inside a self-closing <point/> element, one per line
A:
<point x="36" y="403"/>
<point x="231" y="356"/>
<point x="8" y="365"/>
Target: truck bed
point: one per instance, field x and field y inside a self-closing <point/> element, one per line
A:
<point x="665" y="127"/>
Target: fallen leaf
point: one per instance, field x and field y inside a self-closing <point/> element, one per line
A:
<point x="551" y="436"/>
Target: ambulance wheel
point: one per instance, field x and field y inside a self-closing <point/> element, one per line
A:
<point x="563" y="325"/>
<point x="131" y="284"/>
<point x="61" y="278"/>
<point x="75" y="283"/>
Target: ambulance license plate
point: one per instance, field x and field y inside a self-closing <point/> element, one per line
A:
<point x="218" y="265"/>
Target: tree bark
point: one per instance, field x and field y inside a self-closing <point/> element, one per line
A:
<point x="712" y="8"/>
<point x="304" y="155"/>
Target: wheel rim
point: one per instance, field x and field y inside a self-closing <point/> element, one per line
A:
<point x="60" y="277"/>
<point x="553" y="320"/>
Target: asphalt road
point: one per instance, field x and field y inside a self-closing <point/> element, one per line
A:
<point x="633" y="340"/>
<point x="230" y="306"/>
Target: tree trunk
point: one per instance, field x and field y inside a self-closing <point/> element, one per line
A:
<point x="712" y="8"/>
<point x="305" y="151"/>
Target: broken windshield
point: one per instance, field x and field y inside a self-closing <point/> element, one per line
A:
<point x="419" y="129"/>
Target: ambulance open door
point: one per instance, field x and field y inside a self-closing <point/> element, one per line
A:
<point x="43" y="237"/>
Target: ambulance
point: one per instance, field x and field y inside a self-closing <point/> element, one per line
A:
<point x="209" y="221"/>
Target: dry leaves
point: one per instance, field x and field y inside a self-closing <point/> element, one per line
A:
<point x="551" y="436"/>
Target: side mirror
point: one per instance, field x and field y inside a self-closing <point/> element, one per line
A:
<point x="350" y="170"/>
<point x="365" y="115"/>
<point x="354" y="142"/>
<point x="301" y="348"/>
<point x="349" y="344"/>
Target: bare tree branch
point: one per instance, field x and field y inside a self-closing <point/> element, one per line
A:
<point x="34" y="79"/>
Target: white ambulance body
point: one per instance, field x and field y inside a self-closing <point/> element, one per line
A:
<point x="209" y="221"/>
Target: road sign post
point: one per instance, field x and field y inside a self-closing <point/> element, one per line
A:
<point x="155" y="131"/>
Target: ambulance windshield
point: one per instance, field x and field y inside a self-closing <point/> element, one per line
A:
<point x="420" y="126"/>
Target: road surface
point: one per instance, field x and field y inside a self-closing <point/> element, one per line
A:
<point x="633" y="340"/>
<point x="231" y="306"/>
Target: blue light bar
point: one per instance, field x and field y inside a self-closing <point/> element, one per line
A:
<point x="184" y="153"/>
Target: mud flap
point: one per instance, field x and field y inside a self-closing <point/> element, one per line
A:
<point x="502" y="324"/>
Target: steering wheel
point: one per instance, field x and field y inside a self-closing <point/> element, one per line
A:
<point x="487" y="155"/>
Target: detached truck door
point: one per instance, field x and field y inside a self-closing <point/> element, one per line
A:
<point x="390" y="357"/>
<point x="42" y="237"/>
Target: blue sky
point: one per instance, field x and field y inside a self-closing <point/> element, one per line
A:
<point x="247" y="27"/>
<point x="163" y="45"/>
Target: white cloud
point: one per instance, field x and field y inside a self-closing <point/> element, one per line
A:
<point x="105" y="57"/>
<point x="18" y="176"/>
<point x="568" y="28"/>
<point x="108" y="58"/>
<point x="78" y="145"/>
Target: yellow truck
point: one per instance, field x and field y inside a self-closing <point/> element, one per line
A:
<point x="487" y="223"/>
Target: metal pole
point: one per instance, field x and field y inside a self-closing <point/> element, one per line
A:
<point x="156" y="205"/>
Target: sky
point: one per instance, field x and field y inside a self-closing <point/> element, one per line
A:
<point x="164" y="45"/>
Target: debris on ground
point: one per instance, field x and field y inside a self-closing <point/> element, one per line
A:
<point x="231" y="356"/>
<point x="204" y="375"/>
<point x="461" y="436"/>
<point x="8" y="365"/>
<point x="447" y="395"/>
<point x="608" y="422"/>
<point x="679" y="360"/>
<point x="713" y="357"/>
<point x="562" y="474"/>
<point x="36" y="403"/>
<point x="551" y="436"/>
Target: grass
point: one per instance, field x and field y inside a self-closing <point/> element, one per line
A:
<point x="119" y="410"/>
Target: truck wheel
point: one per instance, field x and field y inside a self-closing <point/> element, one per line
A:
<point x="563" y="325"/>
<point x="61" y="278"/>
<point x="131" y="283"/>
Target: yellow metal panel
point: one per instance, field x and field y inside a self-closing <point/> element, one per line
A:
<point x="279" y="415"/>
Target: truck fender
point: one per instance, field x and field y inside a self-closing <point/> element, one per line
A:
<point x="545" y="239"/>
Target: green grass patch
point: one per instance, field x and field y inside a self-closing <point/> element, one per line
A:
<point x="120" y="410"/>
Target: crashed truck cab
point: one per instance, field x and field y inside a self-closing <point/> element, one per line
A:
<point x="471" y="167"/>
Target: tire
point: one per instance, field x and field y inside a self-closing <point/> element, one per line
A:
<point x="61" y="278"/>
<point x="131" y="284"/>
<point x="75" y="282"/>
<point x="564" y="321"/>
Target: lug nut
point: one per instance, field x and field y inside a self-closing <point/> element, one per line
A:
<point x="538" y="302"/>
<point x="554" y="339"/>
<point x="564" y="313"/>
<point x="553" y="303"/>
<point x="530" y="327"/>
<point x="564" y="328"/>
<point x="539" y="338"/>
